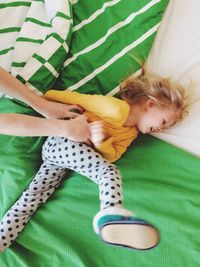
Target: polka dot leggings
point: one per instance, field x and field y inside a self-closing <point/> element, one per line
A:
<point x="60" y="154"/>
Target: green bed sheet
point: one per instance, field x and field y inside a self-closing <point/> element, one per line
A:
<point x="160" y="181"/>
<point x="160" y="184"/>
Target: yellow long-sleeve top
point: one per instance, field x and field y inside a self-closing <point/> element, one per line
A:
<point x="111" y="110"/>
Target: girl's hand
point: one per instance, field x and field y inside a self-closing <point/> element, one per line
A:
<point x="56" y="110"/>
<point x="97" y="132"/>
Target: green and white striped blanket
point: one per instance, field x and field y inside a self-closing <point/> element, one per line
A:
<point x="34" y="39"/>
<point x="35" y="36"/>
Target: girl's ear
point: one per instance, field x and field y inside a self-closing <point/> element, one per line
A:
<point x="149" y="104"/>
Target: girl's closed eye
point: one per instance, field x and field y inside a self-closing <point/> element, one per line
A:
<point x="167" y="124"/>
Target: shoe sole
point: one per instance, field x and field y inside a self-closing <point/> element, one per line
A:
<point x="136" y="236"/>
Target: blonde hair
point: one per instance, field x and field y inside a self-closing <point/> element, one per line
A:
<point x="161" y="90"/>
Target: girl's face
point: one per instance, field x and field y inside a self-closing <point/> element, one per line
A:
<point x="155" y="118"/>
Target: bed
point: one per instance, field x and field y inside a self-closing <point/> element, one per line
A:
<point x="90" y="46"/>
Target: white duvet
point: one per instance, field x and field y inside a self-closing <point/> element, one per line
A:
<point x="176" y="53"/>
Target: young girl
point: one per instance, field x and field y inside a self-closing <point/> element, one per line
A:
<point x="149" y="104"/>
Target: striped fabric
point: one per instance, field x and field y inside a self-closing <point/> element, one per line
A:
<point x="34" y="39"/>
<point x="106" y="36"/>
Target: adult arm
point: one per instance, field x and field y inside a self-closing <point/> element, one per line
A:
<point x="13" y="87"/>
<point x="24" y="125"/>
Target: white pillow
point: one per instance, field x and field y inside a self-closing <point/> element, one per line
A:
<point x="176" y="53"/>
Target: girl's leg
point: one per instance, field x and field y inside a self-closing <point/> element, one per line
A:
<point x="39" y="190"/>
<point x="86" y="161"/>
<point x="115" y="224"/>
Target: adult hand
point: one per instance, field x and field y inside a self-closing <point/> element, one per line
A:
<point x="56" y="110"/>
<point x="77" y="129"/>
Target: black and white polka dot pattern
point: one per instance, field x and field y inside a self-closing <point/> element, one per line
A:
<point x="60" y="154"/>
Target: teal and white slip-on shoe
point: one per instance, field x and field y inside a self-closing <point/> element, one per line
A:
<point x="127" y="231"/>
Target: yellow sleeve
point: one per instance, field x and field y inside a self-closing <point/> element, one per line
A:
<point x="110" y="109"/>
<point x="112" y="150"/>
